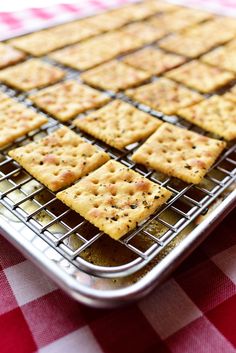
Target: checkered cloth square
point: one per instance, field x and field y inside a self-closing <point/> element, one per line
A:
<point x="193" y="312"/>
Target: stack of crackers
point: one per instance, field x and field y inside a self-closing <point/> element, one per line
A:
<point x="153" y="55"/>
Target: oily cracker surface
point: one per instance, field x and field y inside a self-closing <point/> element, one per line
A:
<point x="216" y="114"/>
<point x="179" y="153"/>
<point x="184" y="17"/>
<point x="9" y="55"/>
<point x="16" y="120"/>
<point x="31" y="74"/>
<point x="200" y="76"/>
<point x="94" y="51"/>
<point x="69" y="98"/>
<point x="59" y="159"/>
<point x="42" y="42"/>
<point x="114" y="76"/>
<point x="118" y="124"/>
<point x="114" y="198"/>
<point x="223" y="57"/>
<point x="153" y="60"/>
<point x="200" y="38"/>
<point x="164" y="95"/>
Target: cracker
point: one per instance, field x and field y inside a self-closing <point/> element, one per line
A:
<point x="153" y="60"/>
<point x="200" y="76"/>
<point x="43" y="42"/>
<point x="31" y="74"/>
<point x="199" y="39"/>
<point x="67" y="99"/>
<point x="223" y="57"/>
<point x="16" y="120"/>
<point x="144" y="32"/>
<point x="59" y="159"/>
<point x="216" y="114"/>
<point x="164" y="95"/>
<point x="96" y="50"/>
<point x="118" y="124"/>
<point x="179" y="153"/>
<point x="231" y="94"/>
<point x="179" y="20"/>
<point x="9" y="55"/>
<point x="114" y="198"/>
<point x="117" y="18"/>
<point x="114" y="76"/>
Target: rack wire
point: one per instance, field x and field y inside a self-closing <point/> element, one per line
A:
<point x="39" y="209"/>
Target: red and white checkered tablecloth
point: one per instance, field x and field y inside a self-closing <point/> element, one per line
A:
<point x="193" y="312"/>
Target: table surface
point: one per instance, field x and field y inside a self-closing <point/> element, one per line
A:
<point x="194" y="311"/>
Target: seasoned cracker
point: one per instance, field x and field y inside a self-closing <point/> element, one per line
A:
<point x="43" y="42"/>
<point x="153" y="60"/>
<point x="223" y="57"/>
<point x="216" y="114"/>
<point x="96" y="50"/>
<point x="9" y="55"/>
<point x="199" y="39"/>
<point x="185" y="17"/>
<point x="179" y="153"/>
<point x="114" y="76"/>
<point x="200" y="76"/>
<point x="31" y="74"/>
<point x="117" y="18"/>
<point x="118" y="124"/>
<point x="231" y="94"/>
<point x="164" y="95"/>
<point x="144" y="32"/>
<point x="59" y="159"/>
<point x="16" y="120"/>
<point x="69" y="98"/>
<point x="114" y="198"/>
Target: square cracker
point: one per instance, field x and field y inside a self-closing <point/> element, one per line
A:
<point x="45" y="41"/>
<point x="31" y="74"/>
<point x="216" y="114"/>
<point x="223" y="57"/>
<point x="200" y="76"/>
<point x="114" y="76"/>
<point x="184" y="17"/>
<point x="114" y="198"/>
<point x="153" y="60"/>
<point x="94" y="51"/>
<point x="179" y="153"/>
<point x="67" y="99"/>
<point x="59" y="159"/>
<point x="16" y="120"/>
<point x="9" y="55"/>
<point x="199" y="39"/>
<point x="132" y="12"/>
<point x="144" y="32"/>
<point x="118" y="124"/>
<point x="164" y="95"/>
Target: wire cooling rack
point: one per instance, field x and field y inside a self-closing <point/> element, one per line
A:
<point x="38" y="208"/>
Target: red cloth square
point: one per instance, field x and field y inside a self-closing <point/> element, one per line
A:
<point x="15" y="334"/>
<point x="126" y="330"/>
<point x="7" y="298"/>
<point x="224" y="318"/>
